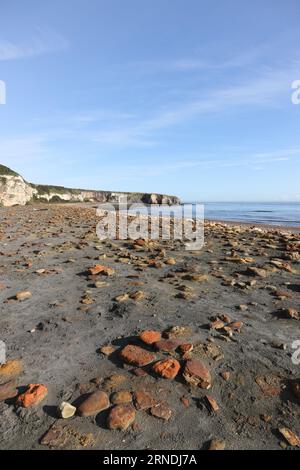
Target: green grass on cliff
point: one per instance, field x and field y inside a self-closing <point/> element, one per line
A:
<point x="5" y="171"/>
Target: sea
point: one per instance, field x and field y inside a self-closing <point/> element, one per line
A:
<point x="285" y="214"/>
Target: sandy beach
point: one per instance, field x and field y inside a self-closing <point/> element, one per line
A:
<point x="224" y="320"/>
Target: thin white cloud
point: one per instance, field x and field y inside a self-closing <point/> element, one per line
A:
<point x="42" y="42"/>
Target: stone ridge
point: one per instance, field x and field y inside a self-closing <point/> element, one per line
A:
<point x="14" y="190"/>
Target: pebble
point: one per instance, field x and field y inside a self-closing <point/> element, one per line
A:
<point x="215" y="444"/>
<point x="121" y="417"/>
<point x="24" y="295"/>
<point x="66" y="410"/>
<point x="290" y="436"/>
<point x="93" y="404"/>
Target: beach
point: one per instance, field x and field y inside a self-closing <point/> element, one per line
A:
<point x="71" y="304"/>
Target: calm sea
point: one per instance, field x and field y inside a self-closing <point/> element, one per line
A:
<point x="284" y="214"/>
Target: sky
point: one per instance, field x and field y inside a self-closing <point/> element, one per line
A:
<point x="183" y="97"/>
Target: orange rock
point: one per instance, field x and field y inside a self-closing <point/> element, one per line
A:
<point x="11" y="368"/>
<point x="168" y="368"/>
<point x="143" y="400"/>
<point x="99" y="269"/>
<point x="211" y="403"/>
<point x="34" y="394"/>
<point x="150" y="336"/>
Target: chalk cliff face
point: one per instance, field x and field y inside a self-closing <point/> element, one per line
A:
<point x="14" y="190"/>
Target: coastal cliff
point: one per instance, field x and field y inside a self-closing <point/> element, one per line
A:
<point x="14" y="190"/>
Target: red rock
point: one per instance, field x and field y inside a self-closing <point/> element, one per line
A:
<point x="167" y="345"/>
<point x="121" y="417"/>
<point x="93" y="404"/>
<point x="143" y="400"/>
<point x="197" y="374"/>
<point x="150" y="336"/>
<point x="107" y="350"/>
<point x="136" y="356"/>
<point x="162" y="411"/>
<point x="99" y="269"/>
<point x="168" y="368"/>
<point x="34" y="394"/>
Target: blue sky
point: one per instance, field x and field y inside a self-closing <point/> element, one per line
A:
<point x="186" y="97"/>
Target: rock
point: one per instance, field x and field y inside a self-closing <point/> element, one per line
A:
<point x="167" y="345"/>
<point x="143" y="400"/>
<point x="177" y="332"/>
<point x="24" y="295"/>
<point x="138" y="295"/>
<point x="268" y="386"/>
<point x="196" y="374"/>
<point x="215" y="444"/>
<point x="185" y="401"/>
<point x="290" y="436"/>
<point x="122" y="297"/>
<point x="295" y="386"/>
<point x="99" y="269"/>
<point x="162" y="411"/>
<point x="150" y="336"/>
<point x="211" y="403"/>
<point x="291" y="313"/>
<point x="225" y="375"/>
<point x="12" y="367"/>
<point x="140" y="372"/>
<point x="186" y="348"/>
<point x="168" y="368"/>
<point x="113" y="382"/>
<point x="217" y="324"/>
<point x="122" y="397"/>
<point x="121" y="417"/>
<point x="107" y="350"/>
<point x="62" y="435"/>
<point x="136" y="356"/>
<point x="253" y="271"/>
<point x="66" y="410"/>
<point x="34" y="394"/>
<point x="99" y="284"/>
<point x="170" y="261"/>
<point x="8" y="390"/>
<point x="96" y="402"/>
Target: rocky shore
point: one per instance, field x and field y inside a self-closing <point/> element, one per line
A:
<point x="134" y="345"/>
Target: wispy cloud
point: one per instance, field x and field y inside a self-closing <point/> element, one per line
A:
<point x="42" y="42"/>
